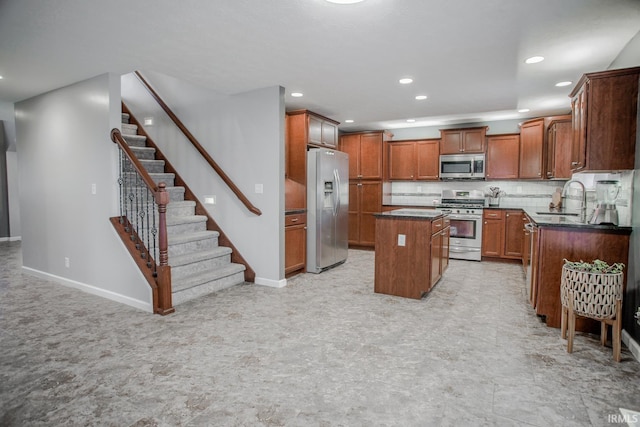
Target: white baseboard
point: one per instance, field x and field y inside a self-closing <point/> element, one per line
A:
<point x="631" y="344"/>
<point x="10" y="239"/>
<point x="123" y="299"/>
<point x="271" y="283"/>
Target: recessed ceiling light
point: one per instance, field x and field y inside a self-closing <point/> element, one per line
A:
<point x="523" y="110"/>
<point x="1" y="77"/>
<point x="561" y="84"/>
<point x="344" y="1"/>
<point x="421" y="97"/>
<point x="296" y="94"/>
<point x="348" y="121"/>
<point x="534" y="59"/>
<point x="405" y="81"/>
<point x="411" y="120"/>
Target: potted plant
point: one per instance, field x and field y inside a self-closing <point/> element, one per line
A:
<point x="586" y="279"/>
<point x="494" y="194"/>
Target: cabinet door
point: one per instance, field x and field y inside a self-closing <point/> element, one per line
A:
<point x="531" y="149"/>
<point x="402" y="160"/>
<point x="314" y="129"/>
<point x="451" y="142"/>
<point x="436" y="258"/>
<point x="492" y="232"/>
<point x="370" y="204"/>
<point x="350" y="144"/>
<point x="354" y="213"/>
<point x="370" y="156"/>
<point x="446" y="239"/>
<point x="329" y="134"/>
<point x="560" y="144"/>
<point x="579" y="130"/>
<point x="513" y="234"/>
<point x="473" y="141"/>
<point x="503" y="153"/>
<point x="427" y="154"/>
<point x="295" y="248"/>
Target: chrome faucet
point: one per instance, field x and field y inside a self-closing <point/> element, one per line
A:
<point x="583" y="202"/>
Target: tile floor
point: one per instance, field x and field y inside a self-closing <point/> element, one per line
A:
<point x="323" y="351"/>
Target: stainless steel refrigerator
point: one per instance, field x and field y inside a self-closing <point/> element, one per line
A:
<point x="327" y="208"/>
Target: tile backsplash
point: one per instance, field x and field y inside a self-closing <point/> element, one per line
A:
<point x="518" y="193"/>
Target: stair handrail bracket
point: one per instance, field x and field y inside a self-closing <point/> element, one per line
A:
<point x="225" y="178"/>
<point x="143" y="223"/>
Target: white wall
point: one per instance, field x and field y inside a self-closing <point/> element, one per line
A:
<point x="7" y="115"/>
<point x="244" y="134"/>
<point x="63" y="147"/>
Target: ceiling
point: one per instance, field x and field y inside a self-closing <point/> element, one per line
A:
<point x="467" y="56"/>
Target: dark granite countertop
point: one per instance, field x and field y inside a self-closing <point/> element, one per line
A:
<point x="543" y="217"/>
<point x="415" y="213"/>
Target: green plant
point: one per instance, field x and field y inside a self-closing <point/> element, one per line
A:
<point x="597" y="266"/>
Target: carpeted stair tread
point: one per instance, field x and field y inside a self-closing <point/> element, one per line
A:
<point x="193" y="257"/>
<point x="192" y="237"/>
<point x="129" y="129"/>
<point x="206" y="276"/>
<point x="186" y="219"/>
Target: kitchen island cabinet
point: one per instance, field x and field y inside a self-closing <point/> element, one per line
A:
<point x="558" y="238"/>
<point x="412" y="251"/>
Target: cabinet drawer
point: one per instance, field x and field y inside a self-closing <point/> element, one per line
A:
<point x="493" y="214"/>
<point x="437" y="225"/>
<point x="446" y="222"/>
<point x="295" y="219"/>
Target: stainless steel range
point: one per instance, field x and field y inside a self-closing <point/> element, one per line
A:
<point x="465" y="212"/>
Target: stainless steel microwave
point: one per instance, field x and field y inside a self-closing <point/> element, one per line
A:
<point x="462" y="166"/>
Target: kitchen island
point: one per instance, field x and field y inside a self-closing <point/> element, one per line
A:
<point x="557" y="237"/>
<point x="411" y="251"/>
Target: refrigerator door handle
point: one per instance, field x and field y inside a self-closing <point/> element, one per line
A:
<point x="336" y="192"/>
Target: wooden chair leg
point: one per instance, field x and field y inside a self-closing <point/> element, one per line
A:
<point x="571" y="325"/>
<point x="616" y="337"/>
<point x="603" y="333"/>
<point x="563" y="323"/>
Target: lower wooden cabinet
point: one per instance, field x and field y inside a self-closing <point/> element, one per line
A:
<point x="502" y="233"/>
<point x="295" y="244"/>
<point x="365" y="200"/>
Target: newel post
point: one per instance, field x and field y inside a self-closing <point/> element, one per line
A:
<point x="163" y="269"/>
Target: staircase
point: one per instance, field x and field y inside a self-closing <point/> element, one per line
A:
<point x="198" y="265"/>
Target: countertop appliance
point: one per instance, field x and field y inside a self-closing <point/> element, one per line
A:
<point x="462" y="166"/>
<point x="606" y="211"/>
<point x="465" y="212"/>
<point x="327" y="208"/>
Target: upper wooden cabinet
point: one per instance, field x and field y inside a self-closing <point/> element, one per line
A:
<point x="303" y="128"/>
<point x="559" y="149"/>
<point x="365" y="153"/>
<point x="468" y="140"/>
<point x="413" y="160"/>
<point x="605" y="120"/>
<point x="503" y="156"/>
<point x="312" y="128"/>
<point x="532" y="149"/>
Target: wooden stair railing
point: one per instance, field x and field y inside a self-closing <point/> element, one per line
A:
<point x="245" y="201"/>
<point x="157" y="273"/>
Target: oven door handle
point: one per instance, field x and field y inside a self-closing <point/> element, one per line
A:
<point x="472" y="217"/>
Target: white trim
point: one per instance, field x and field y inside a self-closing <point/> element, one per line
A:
<point x="631" y="344"/>
<point x="10" y="239"/>
<point x="142" y="305"/>
<point x="271" y="283"/>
